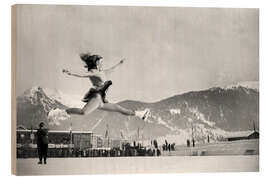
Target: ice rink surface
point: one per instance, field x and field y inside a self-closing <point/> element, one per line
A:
<point x="163" y="164"/>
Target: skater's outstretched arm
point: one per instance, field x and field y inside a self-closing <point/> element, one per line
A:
<point x="80" y="75"/>
<point x="110" y="70"/>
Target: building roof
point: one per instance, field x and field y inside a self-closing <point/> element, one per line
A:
<point x="56" y="131"/>
<point x="240" y="134"/>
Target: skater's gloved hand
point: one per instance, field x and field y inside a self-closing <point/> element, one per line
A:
<point x="66" y="71"/>
<point x="109" y="82"/>
<point x="122" y="61"/>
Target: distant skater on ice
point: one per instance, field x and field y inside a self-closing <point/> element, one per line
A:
<point x="95" y="98"/>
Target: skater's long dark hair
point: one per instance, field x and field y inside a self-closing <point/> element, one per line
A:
<point x="90" y="60"/>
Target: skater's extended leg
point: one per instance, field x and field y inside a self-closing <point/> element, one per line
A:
<point x="92" y="105"/>
<point x="117" y="108"/>
<point x="57" y="115"/>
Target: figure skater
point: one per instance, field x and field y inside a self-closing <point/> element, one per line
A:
<point x="95" y="98"/>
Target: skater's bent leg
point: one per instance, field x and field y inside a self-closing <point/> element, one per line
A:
<point x="77" y="111"/>
<point x="92" y="105"/>
<point x="116" y="108"/>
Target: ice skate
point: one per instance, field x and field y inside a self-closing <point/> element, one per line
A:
<point x="143" y="114"/>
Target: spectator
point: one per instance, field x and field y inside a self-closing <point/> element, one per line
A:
<point x="155" y="144"/>
<point x="158" y="152"/>
<point x="172" y="146"/>
<point x="42" y="143"/>
<point x="193" y="142"/>
<point x="163" y="147"/>
<point x="166" y="143"/>
<point x="188" y="143"/>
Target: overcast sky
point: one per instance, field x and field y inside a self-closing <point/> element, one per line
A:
<point x="168" y="51"/>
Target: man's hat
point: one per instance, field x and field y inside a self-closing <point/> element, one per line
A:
<point x="41" y="124"/>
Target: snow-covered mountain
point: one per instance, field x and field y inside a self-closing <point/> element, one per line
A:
<point x="247" y="84"/>
<point x="33" y="106"/>
<point x="216" y="112"/>
<point x="66" y="99"/>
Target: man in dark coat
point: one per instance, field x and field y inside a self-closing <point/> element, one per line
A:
<point x="42" y="143"/>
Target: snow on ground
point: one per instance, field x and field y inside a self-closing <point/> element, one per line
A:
<point x="163" y="164"/>
<point x="200" y="131"/>
<point x="179" y="138"/>
<point x="167" y="125"/>
<point x="97" y="123"/>
<point x="175" y="111"/>
<point x="200" y="116"/>
<point x="243" y="147"/>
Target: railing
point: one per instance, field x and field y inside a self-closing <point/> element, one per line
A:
<point x="27" y="152"/>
